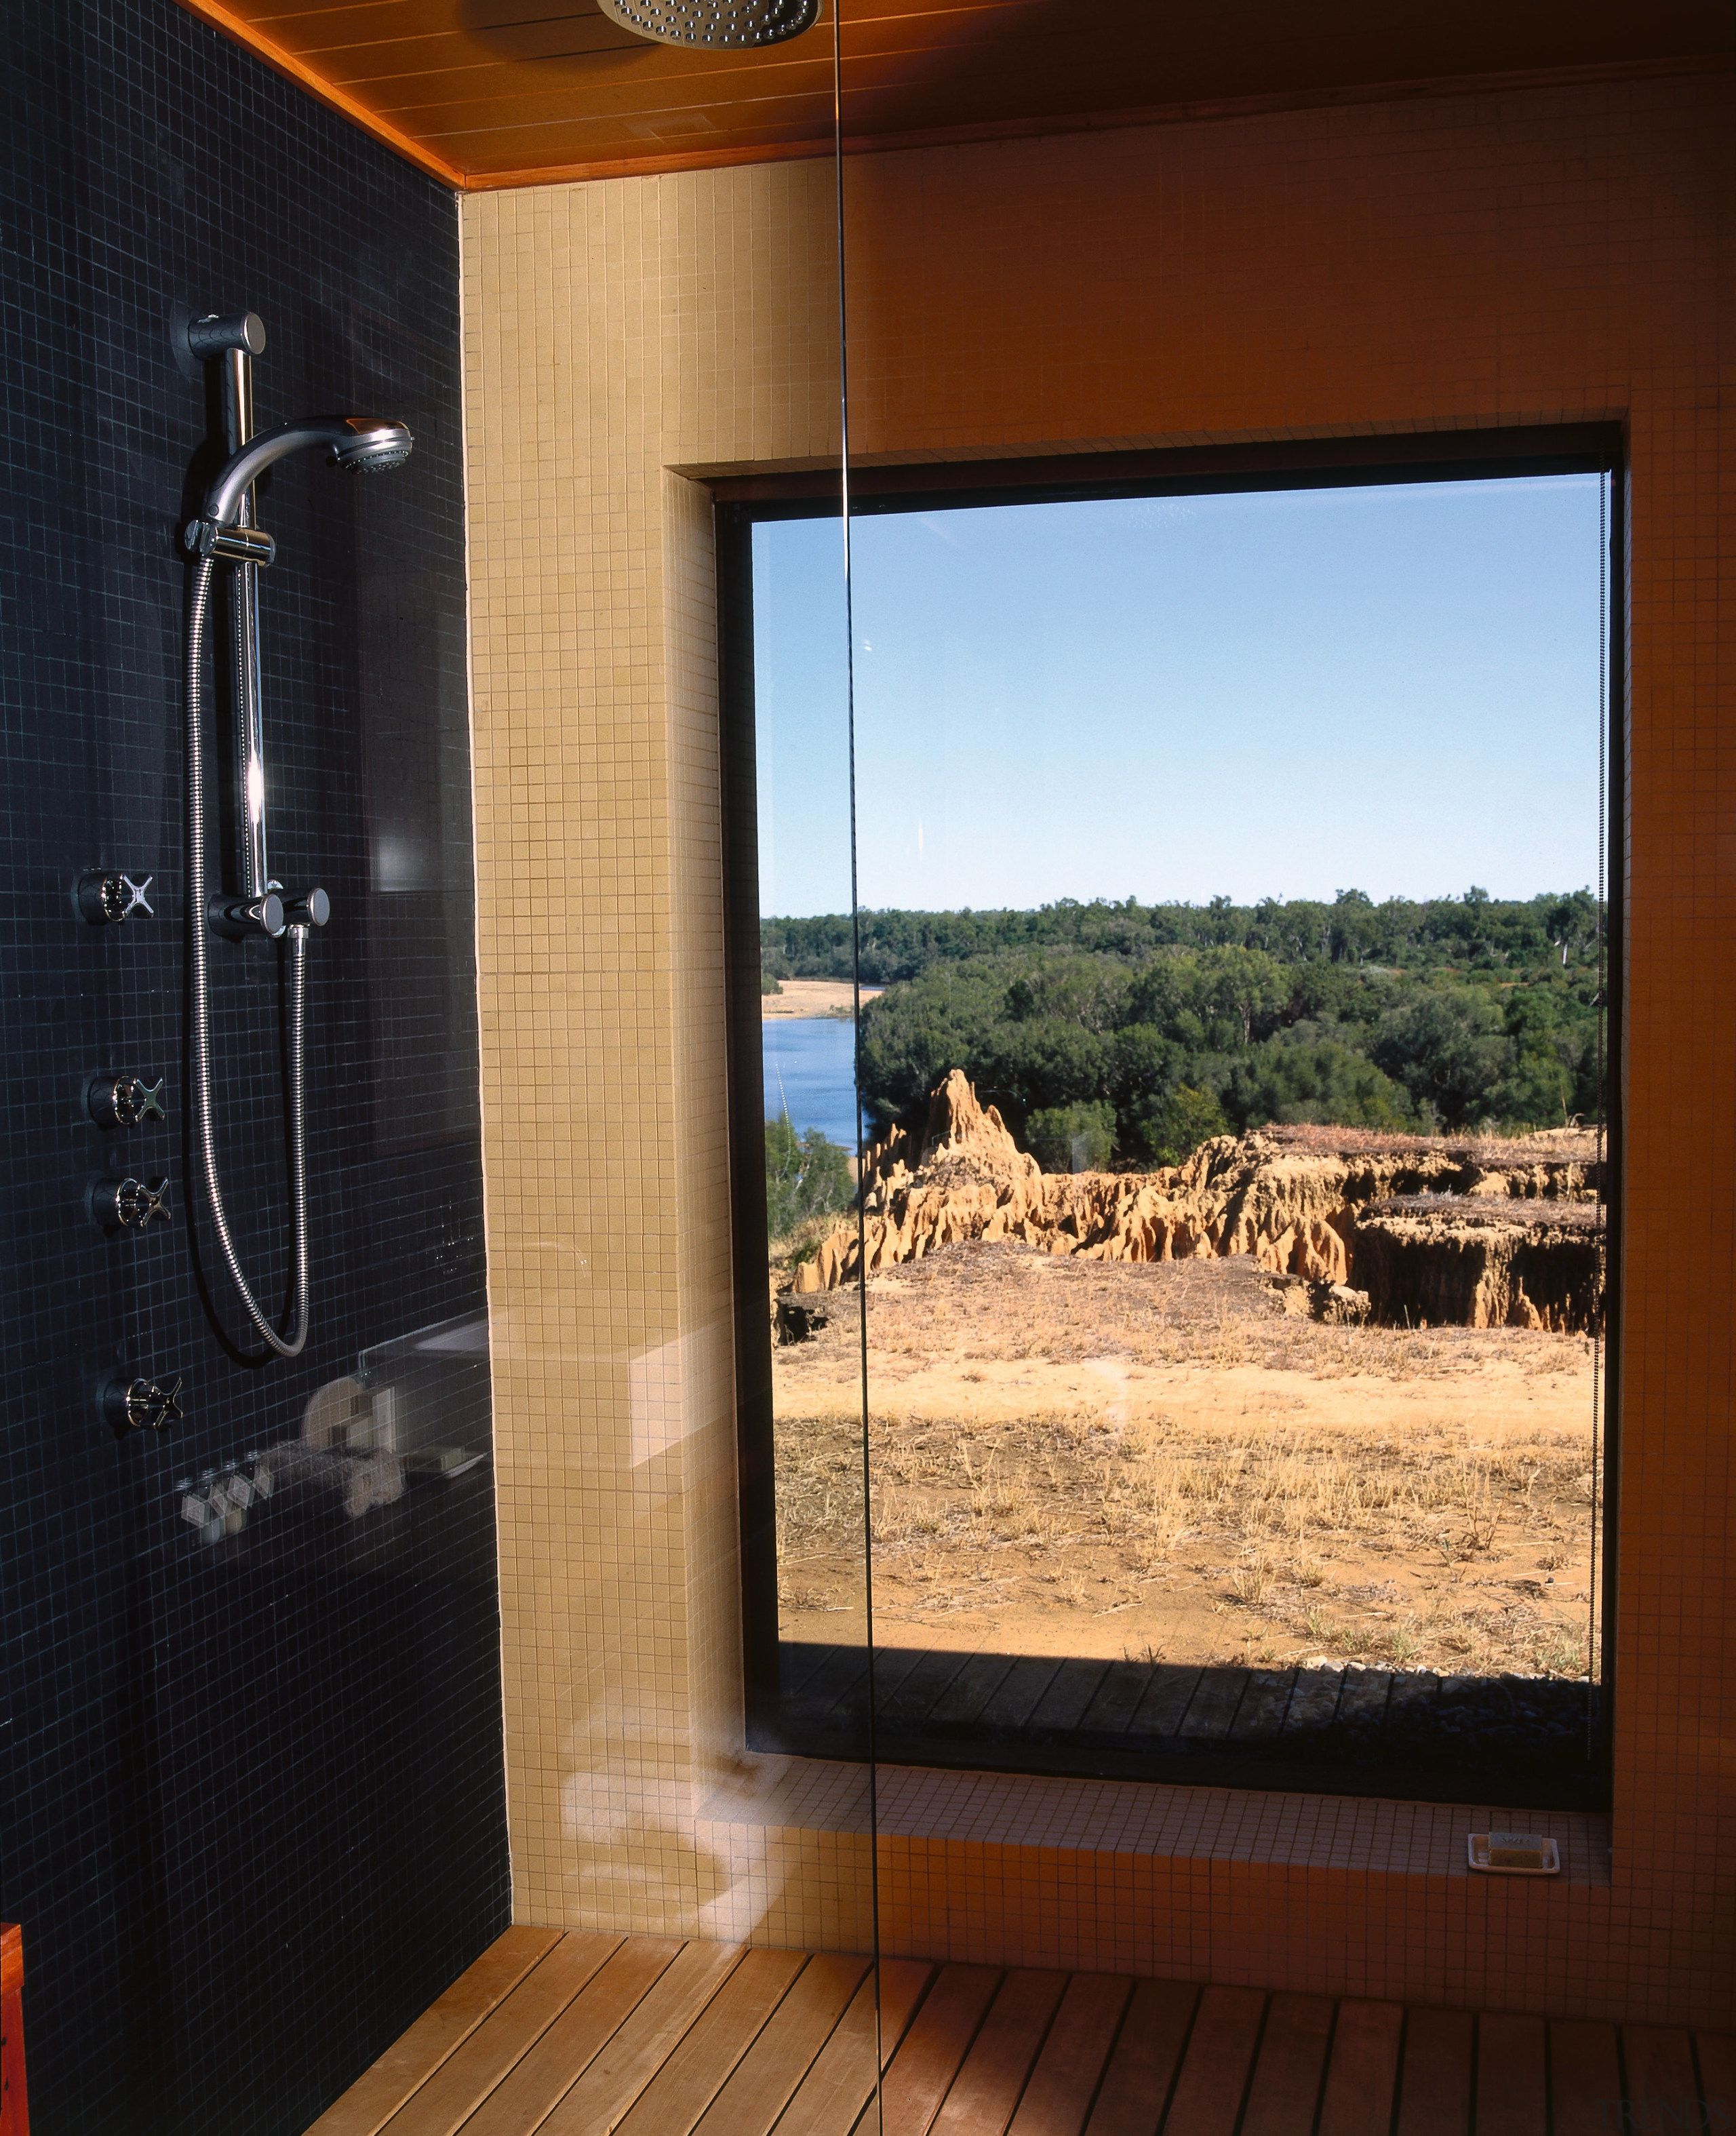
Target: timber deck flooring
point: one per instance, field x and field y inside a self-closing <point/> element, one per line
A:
<point x="582" y="2034"/>
<point x="1355" y="1731"/>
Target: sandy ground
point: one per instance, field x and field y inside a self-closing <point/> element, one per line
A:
<point x="1076" y="1458"/>
<point x="814" y="998"/>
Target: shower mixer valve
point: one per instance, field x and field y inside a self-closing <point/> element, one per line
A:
<point x="106" y="897"/>
<point x="128" y="1205"/>
<point x="121" y="1100"/>
<point x="141" y="1404"/>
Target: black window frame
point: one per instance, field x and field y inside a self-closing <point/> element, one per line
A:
<point x="742" y="501"/>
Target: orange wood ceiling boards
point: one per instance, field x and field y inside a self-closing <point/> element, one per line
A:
<point x="487" y="93"/>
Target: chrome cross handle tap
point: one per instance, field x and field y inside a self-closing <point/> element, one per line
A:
<point x="128" y="1205"/>
<point x="106" y="897"/>
<point x="121" y="1100"/>
<point x="141" y="1404"/>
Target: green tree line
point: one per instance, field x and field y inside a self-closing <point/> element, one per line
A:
<point x="1128" y="1033"/>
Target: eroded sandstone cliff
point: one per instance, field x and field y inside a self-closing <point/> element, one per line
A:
<point x="1476" y="1232"/>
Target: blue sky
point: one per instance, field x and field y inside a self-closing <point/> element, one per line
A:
<point x="1283" y="695"/>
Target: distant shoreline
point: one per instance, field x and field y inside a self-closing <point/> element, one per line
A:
<point x="801" y="998"/>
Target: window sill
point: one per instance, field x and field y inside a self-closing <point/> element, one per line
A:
<point x="1204" y="1824"/>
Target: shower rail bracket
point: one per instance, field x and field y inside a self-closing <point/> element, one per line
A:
<point x="238" y="919"/>
<point x="240" y="545"/>
<point x="308" y="908"/>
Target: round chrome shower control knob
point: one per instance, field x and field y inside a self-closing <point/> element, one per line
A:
<point x="312" y="908"/>
<point x="128" y="1205"/>
<point x="120" y="1100"/>
<point x="141" y="1404"/>
<point x="217" y="331"/>
<point x="239" y="917"/>
<point x="105" y="897"/>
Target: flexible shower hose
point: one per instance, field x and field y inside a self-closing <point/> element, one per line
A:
<point x="199" y="989"/>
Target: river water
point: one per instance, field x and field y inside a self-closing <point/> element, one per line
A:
<point x="810" y="1073"/>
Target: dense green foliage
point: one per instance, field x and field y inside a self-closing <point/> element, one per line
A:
<point x="1079" y="1138"/>
<point x="1155" y="1026"/>
<point x="806" y="1175"/>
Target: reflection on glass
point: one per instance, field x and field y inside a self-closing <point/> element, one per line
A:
<point x="808" y="1035"/>
<point x="1232" y="1232"/>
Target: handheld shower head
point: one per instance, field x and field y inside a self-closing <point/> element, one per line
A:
<point x="373" y="447"/>
<point x="363" y="443"/>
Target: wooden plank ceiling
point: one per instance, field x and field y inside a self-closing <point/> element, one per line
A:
<point x="519" y="92"/>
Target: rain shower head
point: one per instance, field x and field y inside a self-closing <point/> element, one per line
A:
<point x="714" y="23"/>
<point x="363" y="443"/>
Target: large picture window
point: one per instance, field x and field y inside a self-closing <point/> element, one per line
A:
<point x="1173" y="1009"/>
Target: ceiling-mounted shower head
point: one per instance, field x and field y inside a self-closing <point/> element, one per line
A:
<point x="714" y="22"/>
<point x="361" y="443"/>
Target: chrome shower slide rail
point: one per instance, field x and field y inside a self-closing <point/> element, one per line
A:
<point x="227" y="531"/>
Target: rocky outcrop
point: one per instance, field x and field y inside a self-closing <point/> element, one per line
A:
<point x="1471" y="1261"/>
<point x="964" y="1178"/>
<point x="1293" y="1198"/>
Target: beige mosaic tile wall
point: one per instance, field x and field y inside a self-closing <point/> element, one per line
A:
<point x="1530" y="256"/>
<point x="613" y="333"/>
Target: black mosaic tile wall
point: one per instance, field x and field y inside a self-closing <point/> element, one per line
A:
<point x="252" y="1799"/>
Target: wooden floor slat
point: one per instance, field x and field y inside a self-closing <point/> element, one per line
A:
<point x="923" y="2069"/>
<point x="1362" y="2070"/>
<point x="523" y="2101"/>
<point x="829" y="2098"/>
<point x="370" y="2102"/>
<point x="1212" y="1710"/>
<point x="1166" y="1699"/>
<point x="1116" y="1697"/>
<point x="1147" y="2054"/>
<point x="689" y="2079"/>
<point x="928" y="1680"/>
<point x="1015" y="1697"/>
<point x="1063" y="2083"/>
<point x="632" y="2058"/>
<point x="1585" y="2079"/>
<point x="1717" y="2054"/>
<point x="971" y="1690"/>
<point x="988" y="2088"/>
<point x="1067" y="1699"/>
<point x="1662" y="2089"/>
<point x="760" y="2086"/>
<point x="1512" y="2094"/>
<point x="1217" y="2064"/>
<point x="1264" y="1703"/>
<point x="1434" y="2073"/>
<point x="466" y="2078"/>
<point x="1291" y="2067"/>
<point x="593" y="2035"/>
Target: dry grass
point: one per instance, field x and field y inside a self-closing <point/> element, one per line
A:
<point x="1247" y="1531"/>
<point x="1283" y="1525"/>
<point x="1000" y="1302"/>
<point x="1493" y="1150"/>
